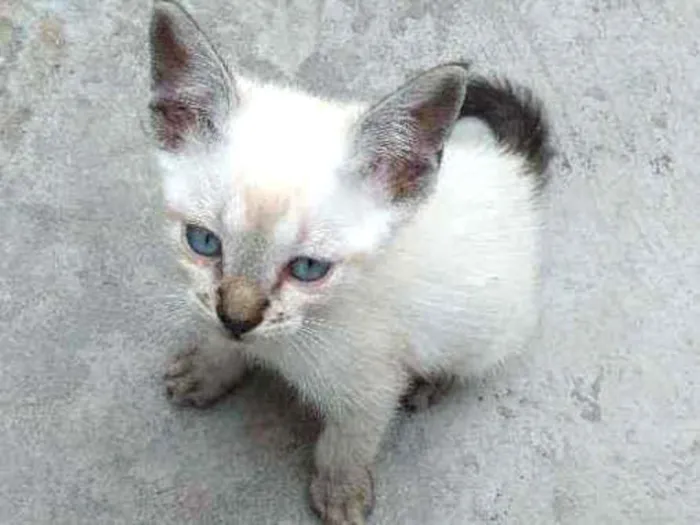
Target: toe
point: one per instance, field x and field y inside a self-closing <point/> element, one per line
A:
<point x="178" y="366"/>
<point x="178" y="388"/>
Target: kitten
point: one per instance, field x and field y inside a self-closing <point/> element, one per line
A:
<point x="358" y="249"/>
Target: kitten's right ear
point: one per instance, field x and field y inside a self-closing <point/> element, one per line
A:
<point x="192" y="91"/>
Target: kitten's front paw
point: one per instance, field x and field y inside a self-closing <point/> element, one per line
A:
<point x="343" y="497"/>
<point x="193" y="378"/>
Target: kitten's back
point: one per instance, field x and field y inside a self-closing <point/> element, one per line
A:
<point x="469" y="263"/>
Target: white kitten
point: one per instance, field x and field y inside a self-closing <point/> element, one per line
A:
<point x="357" y="249"/>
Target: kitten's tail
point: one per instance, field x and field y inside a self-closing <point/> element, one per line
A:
<point x="515" y="116"/>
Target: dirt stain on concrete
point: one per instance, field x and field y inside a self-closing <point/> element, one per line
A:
<point x="588" y="398"/>
<point x="51" y="32"/>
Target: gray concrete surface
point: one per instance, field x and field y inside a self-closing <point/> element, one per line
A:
<point x="599" y="424"/>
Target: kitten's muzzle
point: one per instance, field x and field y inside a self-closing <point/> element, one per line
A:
<point x="241" y="305"/>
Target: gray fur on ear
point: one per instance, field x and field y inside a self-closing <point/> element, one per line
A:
<point x="192" y="90"/>
<point x="400" y="139"/>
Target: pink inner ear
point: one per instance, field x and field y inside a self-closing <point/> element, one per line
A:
<point x="433" y="120"/>
<point x="401" y="177"/>
<point x="176" y="119"/>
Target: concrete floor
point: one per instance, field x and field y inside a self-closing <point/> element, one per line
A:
<point x="599" y="424"/>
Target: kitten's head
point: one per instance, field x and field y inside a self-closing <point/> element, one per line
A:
<point x="278" y="201"/>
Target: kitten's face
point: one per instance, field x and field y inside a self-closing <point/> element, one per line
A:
<point x="262" y="221"/>
<point x="276" y="200"/>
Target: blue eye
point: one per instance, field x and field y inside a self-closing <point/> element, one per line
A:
<point x="202" y="241"/>
<point x="308" y="270"/>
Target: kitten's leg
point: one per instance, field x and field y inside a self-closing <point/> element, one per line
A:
<point x="424" y="392"/>
<point x="342" y="488"/>
<point x="205" y="372"/>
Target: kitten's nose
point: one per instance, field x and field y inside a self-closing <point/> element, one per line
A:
<point x="237" y="327"/>
<point x="241" y="305"/>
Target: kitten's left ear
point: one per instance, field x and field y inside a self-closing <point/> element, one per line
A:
<point x="400" y="140"/>
<point x="192" y="90"/>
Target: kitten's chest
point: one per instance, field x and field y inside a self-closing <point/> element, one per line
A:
<point x="337" y="363"/>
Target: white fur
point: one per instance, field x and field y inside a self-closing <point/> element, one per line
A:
<point x="454" y="290"/>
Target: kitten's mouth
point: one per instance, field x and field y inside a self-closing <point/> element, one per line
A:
<point x="232" y="337"/>
<point x="244" y="338"/>
<point x="238" y="338"/>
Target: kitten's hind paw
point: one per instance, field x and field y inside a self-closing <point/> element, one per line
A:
<point x="199" y="379"/>
<point x="423" y="392"/>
